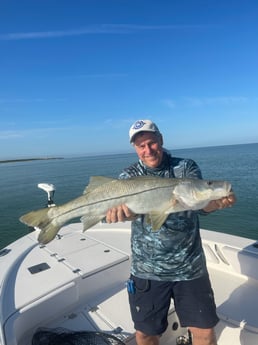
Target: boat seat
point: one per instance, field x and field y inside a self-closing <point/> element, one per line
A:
<point x="235" y="300"/>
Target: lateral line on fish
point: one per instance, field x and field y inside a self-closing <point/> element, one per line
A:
<point x="107" y="199"/>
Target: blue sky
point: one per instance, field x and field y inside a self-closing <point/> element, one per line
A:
<point x="75" y="74"/>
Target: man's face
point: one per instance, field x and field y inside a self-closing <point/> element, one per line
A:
<point x="149" y="149"/>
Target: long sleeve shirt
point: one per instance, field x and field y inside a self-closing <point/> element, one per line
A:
<point x="174" y="252"/>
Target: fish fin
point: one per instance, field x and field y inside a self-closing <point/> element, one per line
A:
<point x="41" y="220"/>
<point x="156" y="219"/>
<point x="175" y="206"/>
<point x="48" y="233"/>
<point x="147" y="219"/>
<point x="96" y="181"/>
<point x="89" y="221"/>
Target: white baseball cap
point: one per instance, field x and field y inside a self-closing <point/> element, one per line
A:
<point x="142" y="126"/>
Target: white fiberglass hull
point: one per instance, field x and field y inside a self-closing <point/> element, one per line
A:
<point x="77" y="282"/>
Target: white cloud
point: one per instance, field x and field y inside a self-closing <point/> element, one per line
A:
<point x="7" y="135"/>
<point x="98" y="76"/>
<point x="169" y="103"/>
<point x="97" y="29"/>
<point x="197" y="102"/>
<point x="33" y="132"/>
<point x="21" y="100"/>
<point x="28" y="100"/>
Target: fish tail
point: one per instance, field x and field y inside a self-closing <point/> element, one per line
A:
<point x="41" y="220"/>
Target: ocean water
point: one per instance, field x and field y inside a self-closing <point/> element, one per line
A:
<point x="19" y="193"/>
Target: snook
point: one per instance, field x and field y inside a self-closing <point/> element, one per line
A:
<point x="153" y="196"/>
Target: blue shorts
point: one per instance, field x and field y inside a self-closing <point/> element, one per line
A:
<point x="150" y="301"/>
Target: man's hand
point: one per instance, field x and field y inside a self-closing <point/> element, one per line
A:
<point x="219" y="204"/>
<point x="120" y="213"/>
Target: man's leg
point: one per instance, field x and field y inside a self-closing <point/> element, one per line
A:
<point x="199" y="337"/>
<point x="149" y="304"/>
<point x="196" y="309"/>
<point x="203" y="336"/>
<point x="143" y="339"/>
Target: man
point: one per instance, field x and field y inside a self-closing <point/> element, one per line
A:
<point x="168" y="263"/>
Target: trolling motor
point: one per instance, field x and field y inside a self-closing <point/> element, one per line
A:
<point x="50" y="190"/>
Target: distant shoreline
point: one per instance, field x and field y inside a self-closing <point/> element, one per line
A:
<point x="27" y="160"/>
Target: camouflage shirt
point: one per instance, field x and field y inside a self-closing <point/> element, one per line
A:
<point x="174" y="252"/>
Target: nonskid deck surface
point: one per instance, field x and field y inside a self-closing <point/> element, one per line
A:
<point x="112" y="316"/>
<point x="83" y="276"/>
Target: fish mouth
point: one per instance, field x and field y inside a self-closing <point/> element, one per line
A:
<point x="226" y="188"/>
<point x="229" y="188"/>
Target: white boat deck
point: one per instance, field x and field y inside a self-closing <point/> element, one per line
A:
<point x="78" y="282"/>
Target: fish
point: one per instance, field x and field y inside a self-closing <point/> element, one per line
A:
<point x="151" y="196"/>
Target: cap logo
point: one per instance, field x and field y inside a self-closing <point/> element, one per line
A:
<point x="139" y="124"/>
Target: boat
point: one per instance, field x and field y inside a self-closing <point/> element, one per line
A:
<point x="76" y="284"/>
